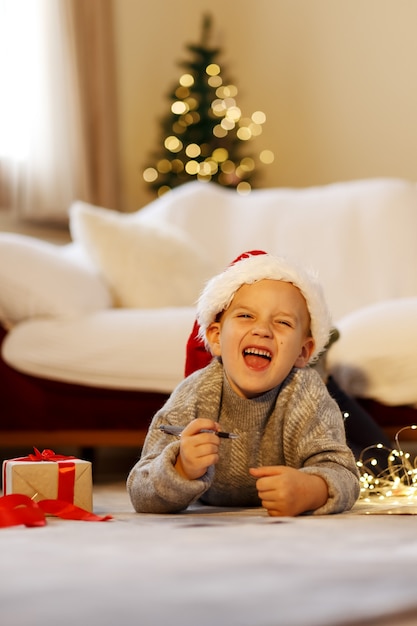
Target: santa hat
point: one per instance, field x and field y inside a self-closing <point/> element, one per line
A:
<point x="252" y="267"/>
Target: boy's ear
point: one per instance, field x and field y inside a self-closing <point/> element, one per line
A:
<point x="306" y="352"/>
<point x="213" y="338"/>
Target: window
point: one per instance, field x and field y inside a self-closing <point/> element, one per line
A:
<point x="20" y="75"/>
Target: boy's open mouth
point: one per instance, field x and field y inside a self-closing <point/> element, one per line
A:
<point x="257" y="358"/>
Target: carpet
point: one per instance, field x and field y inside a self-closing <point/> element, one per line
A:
<point x="211" y="566"/>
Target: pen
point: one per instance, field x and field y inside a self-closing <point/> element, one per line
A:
<point x="177" y="430"/>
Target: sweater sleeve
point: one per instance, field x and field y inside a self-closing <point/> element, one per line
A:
<point x="153" y="483"/>
<point x="155" y="486"/>
<point x="315" y="442"/>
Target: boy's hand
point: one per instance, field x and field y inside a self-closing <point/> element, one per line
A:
<point x="285" y="491"/>
<point x="197" y="450"/>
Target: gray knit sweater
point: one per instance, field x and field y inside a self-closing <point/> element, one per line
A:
<point x="297" y="424"/>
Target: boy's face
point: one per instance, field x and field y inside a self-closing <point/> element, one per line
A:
<point x="261" y="336"/>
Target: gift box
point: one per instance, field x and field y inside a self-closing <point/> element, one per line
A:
<point x="49" y="476"/>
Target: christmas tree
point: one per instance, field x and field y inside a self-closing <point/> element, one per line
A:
<point x="205" y="134"/>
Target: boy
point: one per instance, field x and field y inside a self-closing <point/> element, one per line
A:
<point x="264" y="320"/>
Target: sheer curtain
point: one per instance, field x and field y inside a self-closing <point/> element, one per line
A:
<point x="57" y="112"/>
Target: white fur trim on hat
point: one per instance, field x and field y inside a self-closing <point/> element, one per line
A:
<point x="220" y="290"/>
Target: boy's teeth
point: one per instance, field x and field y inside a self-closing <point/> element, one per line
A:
<point x="263" y="353"/>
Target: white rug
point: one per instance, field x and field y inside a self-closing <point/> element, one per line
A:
<point x="210" y="567"/>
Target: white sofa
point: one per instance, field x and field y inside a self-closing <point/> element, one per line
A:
<point x="113" y="309"/>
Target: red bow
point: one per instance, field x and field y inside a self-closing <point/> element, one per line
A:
<point x="45" y="455"/>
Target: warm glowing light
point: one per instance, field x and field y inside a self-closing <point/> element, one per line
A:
<point x="233" y="113"/>
<point x="219" y="131"/>
<point x="173" y="144"/>
<point x="205" y="169"/>
<point x="195" y="117"/>
<point x="243" y="188"/>
<point x="213" y="69"/>
<point x="192" y="167"/>
<point x="164" y="166"/>
<point x="179" y="107"/>
<point x="244" y="133"/>
<point x="255" y="129"/>
<point x="267" y="157"/>
<point x="212" y="165"/>
<point x="218" y="106"/>
<point x="182" y="93"/>
<point x="193" y="150"/>
<point x="227" y="123"/>
<point x="227" y="91"/>
<point x="177" y="166"/>
<point x="188" y="119"/>
<point x="220" y="155"/>
<point x="228" y="167"/>
<point x="215" y="81"/>
<point x="247" y="164"/>
<point x="192" y="103"/>
<point x="259" y="117"/>
<point x="229" y="102"/>
<point x="163" y="190"/>
<point x="150" y="175"/>
<point x="186" y="80"/>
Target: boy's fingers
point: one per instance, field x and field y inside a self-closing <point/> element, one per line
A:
<point x="267" y="470"/>
<point x="195" y="426"/>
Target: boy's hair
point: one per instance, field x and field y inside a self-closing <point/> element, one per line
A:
<point x="252" y="267"/>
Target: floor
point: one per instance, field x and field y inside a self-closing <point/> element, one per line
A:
<point x="209" y="566"/>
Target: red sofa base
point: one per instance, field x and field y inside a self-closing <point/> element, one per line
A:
<point x="46" y="413"/>
<point x="392" y="418"/>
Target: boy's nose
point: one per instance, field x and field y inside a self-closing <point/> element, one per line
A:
<point x="262" y="329"/>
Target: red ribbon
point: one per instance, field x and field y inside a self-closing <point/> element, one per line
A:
<point x="66" y="481"/>
<point x="17" y="509"/>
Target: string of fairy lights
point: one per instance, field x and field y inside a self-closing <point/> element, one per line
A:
<point x="397" y="482"/>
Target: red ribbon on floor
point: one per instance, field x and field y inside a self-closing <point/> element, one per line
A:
<point x="17" y="509"/>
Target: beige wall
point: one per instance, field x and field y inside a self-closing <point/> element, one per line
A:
<point x="336" y="79"/>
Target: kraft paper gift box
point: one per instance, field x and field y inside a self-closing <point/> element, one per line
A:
<point x="64" y="478"/>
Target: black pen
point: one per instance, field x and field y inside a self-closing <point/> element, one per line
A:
<point x="177" y="430"/>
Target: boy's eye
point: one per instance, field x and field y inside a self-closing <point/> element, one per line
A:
<point x="245" y="315"/>
<point x="284" y="323"/>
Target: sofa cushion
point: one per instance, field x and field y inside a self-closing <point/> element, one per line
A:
<point x="360" y="236"/>
<point x="114" y="348"/>
<point x="375" y="356"/>
<point x="145" y="265"/>
<point x="38" y="278"/>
